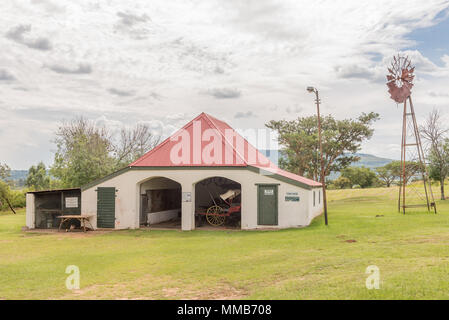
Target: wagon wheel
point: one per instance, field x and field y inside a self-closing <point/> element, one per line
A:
<point x="213" y="216"/>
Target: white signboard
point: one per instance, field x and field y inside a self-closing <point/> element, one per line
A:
<point x="186" y="197"/>
<point x="269" y="192"/>
<point x="292" y="196"/>
<point x="71" y="202"/>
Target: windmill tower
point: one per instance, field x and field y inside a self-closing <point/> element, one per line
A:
<point x="411" y="194"/>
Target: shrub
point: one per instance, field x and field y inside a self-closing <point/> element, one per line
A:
<point x="342" y="183"/>
<point x="17" y="198"/>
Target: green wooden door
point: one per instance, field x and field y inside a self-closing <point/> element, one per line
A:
<point x="105" y="207"/>
<point x="267" y="205"/>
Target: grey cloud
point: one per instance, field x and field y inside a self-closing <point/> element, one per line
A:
<point x="266" y="21"/>
<point x="224" y="93"/>
<point x="21" y="89"/>
<point x="6" y="76"/>
<point x="438" y="94"/>
<point x="242" y="115"/>
<point x="200" y="58"/>
<point x="295" y="109"/>
<point x="49" y="6"/>
<point x="136" y="26"/>
<point x="82" y="68"/>
<point x="39" y="44"/>
<point x="17" y="34"/>
<point x="50" y="114"/>
<point x="218" y="70"/>
<point x="130" y="19"/>
<point x="156" y="96"/>
<point x="354" y="72"/>
<point x="122" y="93"/>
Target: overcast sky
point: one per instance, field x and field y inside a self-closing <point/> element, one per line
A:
<point x="246" y="62"/>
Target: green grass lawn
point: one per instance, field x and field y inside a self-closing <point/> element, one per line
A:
<point x="411" y="251"/>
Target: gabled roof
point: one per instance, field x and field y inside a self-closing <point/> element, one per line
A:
<point x="235" y="150"/>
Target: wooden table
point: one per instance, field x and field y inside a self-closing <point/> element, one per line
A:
<point x="81" y="217"/>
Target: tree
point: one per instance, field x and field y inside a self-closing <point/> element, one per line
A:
<point x="5" y="171"/>
<point x="134" y="143"/>
<point x="5" y="190"/>
<point x="341" y="139"/>
<point x="435" y="134"/>
<point x="364" y="177"/>
<point x="342" y="183"/>
<point x="5" y="195"/>
<point x="38" y="178"/>
<point x="86" y="151"/>
<point x="386" y="174"/>
<point x="412" y="169"/>
<point x="439" y="165"/>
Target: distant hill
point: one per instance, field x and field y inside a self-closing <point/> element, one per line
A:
<point x="18" y="178"/>
<point x="371" y="161"/>
<point x="18" y="174"/>
<point x="366" y="160"/>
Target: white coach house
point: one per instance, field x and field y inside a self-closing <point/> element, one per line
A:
<point x="206" y="174"/>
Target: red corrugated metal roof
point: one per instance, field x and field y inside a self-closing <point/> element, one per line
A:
<point x="187" y="148"/>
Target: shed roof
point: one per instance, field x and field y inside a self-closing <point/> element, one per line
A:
<point x="55" y="190"/>
<point x="199" y="135"/>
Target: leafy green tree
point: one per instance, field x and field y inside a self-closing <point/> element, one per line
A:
<point x="341" y="139"/>
<point x="86" y="151"/>
<point x="38" y="178"/>
<point x="5" y="171"/>
<point x="386" y="175"/>
<point x="412" y="169"/>
<point x="5" y="195"/>
<point x="439" y="165"/>
<point x="342" y="183"/>
<point x="364" y="177"/>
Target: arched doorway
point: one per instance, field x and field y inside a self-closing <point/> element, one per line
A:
<point x="160" y="203"/>
<point x="218" y="203"/>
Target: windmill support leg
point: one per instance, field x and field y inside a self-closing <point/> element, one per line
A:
<point x="410" y="119"/>
<point x="403" y="180"/>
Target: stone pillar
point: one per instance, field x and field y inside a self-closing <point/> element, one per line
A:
<point x="30" y="211"/>
<point x="187" y="208"/>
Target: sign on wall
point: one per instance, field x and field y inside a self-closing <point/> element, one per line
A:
<point x="71" y="202"/>
<point x="186" y="197"/>
<point x="292" y="196"/>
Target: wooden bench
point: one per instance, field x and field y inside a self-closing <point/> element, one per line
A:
<point x="80" y="217"/>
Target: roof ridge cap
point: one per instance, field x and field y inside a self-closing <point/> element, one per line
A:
<point x="226" y="140"/>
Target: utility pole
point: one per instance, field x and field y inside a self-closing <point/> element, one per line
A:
<point x="322" y="176"/>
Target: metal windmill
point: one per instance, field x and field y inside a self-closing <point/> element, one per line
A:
<point x="400" y="82"/>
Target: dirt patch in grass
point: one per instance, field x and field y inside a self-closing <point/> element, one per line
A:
<point x="137" y="289"/>
<point x="104" y="291"/>
<point x="63" y="234"/>
<point x="437" y="240"/>
<point x="221" y="292"/>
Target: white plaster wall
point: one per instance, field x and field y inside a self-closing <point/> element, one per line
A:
<point x="158" y="183"/>
<point x="30" y="211"/>
<point x="291" y="214"/>
<point x="161" y="216"/>
<point x="316" y="210"/>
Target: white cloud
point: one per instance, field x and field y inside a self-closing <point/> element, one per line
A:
<point x="145" y="61"/>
